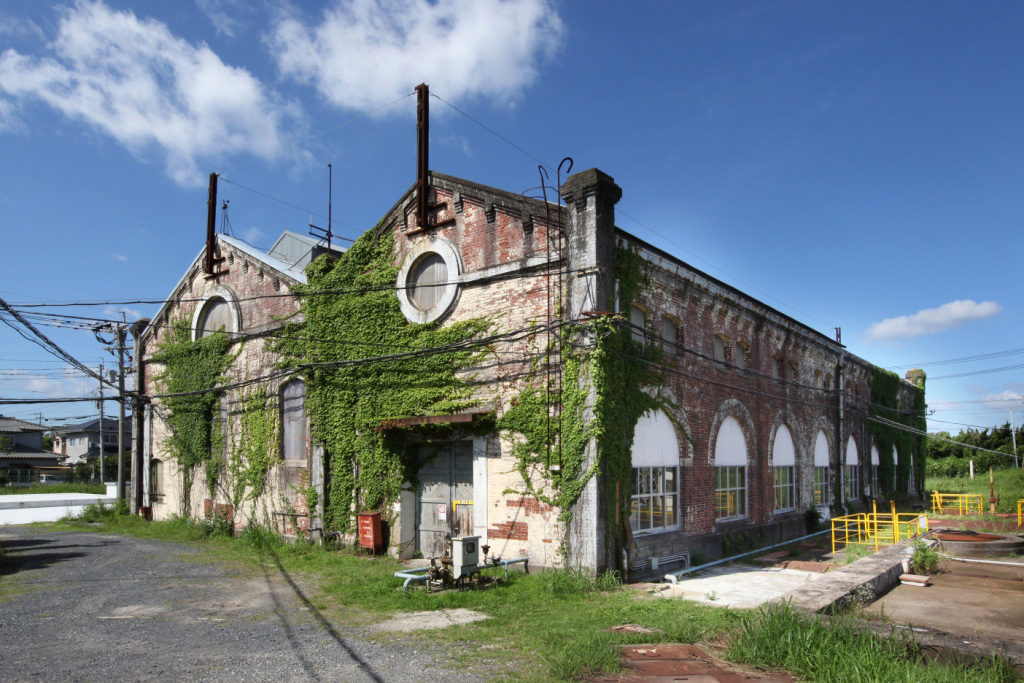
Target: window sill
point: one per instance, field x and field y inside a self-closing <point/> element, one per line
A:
<point x="655" y="532"/>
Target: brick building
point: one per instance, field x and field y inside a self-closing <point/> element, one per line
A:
<point x="752" y="417"/>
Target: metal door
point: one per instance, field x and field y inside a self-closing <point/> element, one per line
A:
<point x="444" y="495"/>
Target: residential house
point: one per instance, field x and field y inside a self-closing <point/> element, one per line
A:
<point x="80" y="443"/>
<point x="522" y="370"/>
<point x="21" y="445"/>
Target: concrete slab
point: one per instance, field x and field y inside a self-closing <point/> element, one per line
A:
<point x="418" y="621"/>
<point x="740" y="585"/>
<point x="966" y="600"/>
<point x="874" y="574"/>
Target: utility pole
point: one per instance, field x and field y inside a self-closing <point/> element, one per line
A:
<point x="1013" y="433"/>
<point x="101" y="425"/>
<point x="120" y="411"/>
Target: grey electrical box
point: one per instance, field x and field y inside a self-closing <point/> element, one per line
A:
<point x="465" y="555"/>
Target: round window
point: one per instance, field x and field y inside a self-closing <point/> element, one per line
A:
<point x="428" y="281"/>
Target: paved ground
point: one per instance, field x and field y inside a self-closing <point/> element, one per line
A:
<point x="93" y="607"/>
<point x="969" y="601"/>
<point x="739" y="585"/>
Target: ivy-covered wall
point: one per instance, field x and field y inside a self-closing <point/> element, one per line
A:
<point x="887" y="390"/>
<point x="365" y="366"/>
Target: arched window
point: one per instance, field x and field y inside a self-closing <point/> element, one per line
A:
<point x="784" y="468"/>
<point x="669" y="336"/>
<point x="638" y="323"/>
<point x="427" y="281"/>
<point x="216" y="316"/>
<point x="293" y="420"/>
<point x="654" y="505"/>
<point x="910" y="474"/>
<point x="875" y="490"/>
<point x="720" y="345"/>
<point x="821" y="465"/>
<point x="895" y="467"/>
<point x="730" y="471"/>
<point x="156" y="480"/>
<point x="740" y="355"/>
<point x="852" y="470"/>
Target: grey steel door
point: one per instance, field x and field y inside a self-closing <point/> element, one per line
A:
<point x="443" y="502"/>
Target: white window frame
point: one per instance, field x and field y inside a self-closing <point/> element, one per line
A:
<point x="784" y="469"/>
<point x="730" y="471"/>
<point x="822" y="478"/>
<point x="852" y="471"/>
<point x="655" y="457"/>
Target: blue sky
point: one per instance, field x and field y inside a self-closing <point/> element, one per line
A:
<point x="855" y="165"/>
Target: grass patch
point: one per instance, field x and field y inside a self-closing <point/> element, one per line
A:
<point x="1009" y="487"/>
<point x="835" y="651"/>
<point x="553" y="625"/>
<point x="53" y="488"/>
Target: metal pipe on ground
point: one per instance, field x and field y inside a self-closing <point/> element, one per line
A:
<point x="674" y="576"/>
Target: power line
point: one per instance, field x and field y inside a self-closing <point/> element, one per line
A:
<point x="962" y="359"/>
<point x="46" y="342"/>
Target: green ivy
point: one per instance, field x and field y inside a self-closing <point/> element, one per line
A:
<point x="258" y="447"/>
<point x="885" y="387"/>
<point x="352" y="408"/>
<point x="196" y="438"/>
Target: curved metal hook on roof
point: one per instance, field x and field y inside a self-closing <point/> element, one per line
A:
<point x="567" y="171"/>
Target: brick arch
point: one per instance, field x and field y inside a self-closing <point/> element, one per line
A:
<point x="677" y="414"/>
<point x="734" y="408"/>
<point x="788" y="417"/>
<point x="820" y="424"/>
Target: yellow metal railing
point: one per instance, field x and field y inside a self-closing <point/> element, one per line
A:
<point x="956" y="504"/>
<point x="1020" y="511"/>
<point x="876" y="530"/>
<point x="725" y="505"/>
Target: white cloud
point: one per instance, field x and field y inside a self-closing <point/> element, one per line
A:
<point x="137" y="82"/>
<point x="120" y="257"/>
<point x="131" y="313"/>
<point x="931" y="320"/>
<point x="223" y="14"/>
<point x="364" y="53"/>
<point x="252" y="235"/>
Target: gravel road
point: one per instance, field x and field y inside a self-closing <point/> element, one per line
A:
<point x="100" y="607"/>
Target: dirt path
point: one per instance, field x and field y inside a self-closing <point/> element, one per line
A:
<point x="94" y="607"/>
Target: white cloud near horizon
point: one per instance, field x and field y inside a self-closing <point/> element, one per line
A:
<point x="931" y="320"/>
<point x="140" y="84"/>
<point x="365" y="53"/>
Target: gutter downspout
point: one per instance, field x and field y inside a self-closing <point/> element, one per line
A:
<point x="841" y="473"/>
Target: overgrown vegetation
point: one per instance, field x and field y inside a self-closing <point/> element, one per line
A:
<point x="352" y="403"/>
<point x="925" y="559"/>
<point x="1009" y="485"/>
<point x="355" y="397"/>
<point x="910" y="447"/>
<point x="564" y="634"/>
<point x="837" y="651"/>
<point x="953" y="459"/>
<point x="190" y="370"/>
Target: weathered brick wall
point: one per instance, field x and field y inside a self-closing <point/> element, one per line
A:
<point x="261" y="295"/>
<point x="708" y="391"/>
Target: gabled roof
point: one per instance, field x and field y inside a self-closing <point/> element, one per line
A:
<point x="293" y="273"/>
<point x="21" y="452"/>
<point x="11" y="425"/>
<point x="109" y="425"/>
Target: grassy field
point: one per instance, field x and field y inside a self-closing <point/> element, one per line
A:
<point x="53" y="488"/>
<point x="1009" y="487"/>
<point x="553" y="626"/>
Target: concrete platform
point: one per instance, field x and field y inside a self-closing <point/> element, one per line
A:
<point x="966" y="600"/>
<point x="741" y="585"/>
<point x="867" y="577"/>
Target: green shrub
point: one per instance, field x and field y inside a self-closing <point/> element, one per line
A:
<point x="924" y="560"/>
